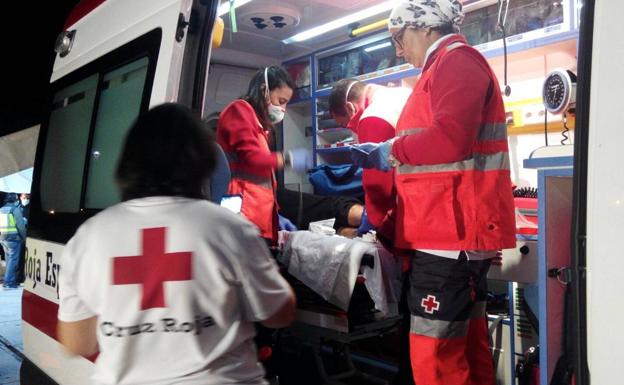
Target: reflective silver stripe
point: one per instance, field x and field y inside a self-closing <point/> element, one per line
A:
<point x="452" y="46"/>
<point x="489" y="131"/>
<point x="493" y="131"/>
<point x="478" y="310"/>
<point x="479" y="162"/>
<point x="409" y="131"/>
<point x="262" y="181"/>
<point x="255" y="179"/>
<point x="445" y="329"/>
<point x="438" y="328"/>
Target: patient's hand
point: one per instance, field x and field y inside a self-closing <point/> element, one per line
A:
<point x="348" y="232"/>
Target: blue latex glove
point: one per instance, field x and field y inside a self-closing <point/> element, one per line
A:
<point x="360" y="154"/>
<point x="301" y="159"/>
<point x="365" y="225"/>
<point x="372" y="155"/>
<point x="286" y="224"/>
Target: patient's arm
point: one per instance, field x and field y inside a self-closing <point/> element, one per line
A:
<point x="347" y="232"/>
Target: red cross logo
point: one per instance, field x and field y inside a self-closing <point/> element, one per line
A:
<point x="430" y="304"/>
<point x="152" y="268"/>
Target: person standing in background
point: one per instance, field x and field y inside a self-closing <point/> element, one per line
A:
<point x="371" y="111"/>
<point x="3" y="261"/>
<point x="243" y="132"/>
<point x="455" y="207"/>
<point x="24" y="202"/>
<point x="25" y="206"/>
<point x="12" y="237"/>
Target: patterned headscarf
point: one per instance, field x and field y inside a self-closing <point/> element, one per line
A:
<point x="426" y="14"/>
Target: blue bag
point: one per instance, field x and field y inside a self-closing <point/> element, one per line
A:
<point x="336" y="179"/>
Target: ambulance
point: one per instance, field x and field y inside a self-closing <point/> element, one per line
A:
<point x="116" y="59"/>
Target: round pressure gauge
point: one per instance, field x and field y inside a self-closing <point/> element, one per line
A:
<point x="559" y="91"/>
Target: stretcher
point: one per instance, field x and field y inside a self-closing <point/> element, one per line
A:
<point x="347" y="291"/>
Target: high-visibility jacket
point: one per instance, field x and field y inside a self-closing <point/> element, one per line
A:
<point x="7" y="220"/>
<point x="376" y="123"/>
<point x="246" y="145"/>
<point x="466" y="204"/>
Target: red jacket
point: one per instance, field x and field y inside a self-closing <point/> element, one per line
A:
<point x="376" y="123"/>
<point x="454" y="184"/>
<point x="246" y="145"/>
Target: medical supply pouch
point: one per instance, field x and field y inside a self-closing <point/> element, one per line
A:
<point x="336" y="180"/>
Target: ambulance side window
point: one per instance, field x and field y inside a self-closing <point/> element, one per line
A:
<point x="92" y="107"/>
<point x="68" y="135"/>
<point x="117" y="96"/>
<point x="118" y="107"/>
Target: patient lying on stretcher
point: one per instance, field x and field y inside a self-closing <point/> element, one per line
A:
<point x="330" y="265"/>
<point x="347" y="211"/>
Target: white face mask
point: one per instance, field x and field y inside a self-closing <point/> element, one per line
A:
<point x="25" y="202"/>
<point x="276" y="113"/>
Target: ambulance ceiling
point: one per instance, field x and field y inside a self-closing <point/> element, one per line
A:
<point x="263" y="24"/>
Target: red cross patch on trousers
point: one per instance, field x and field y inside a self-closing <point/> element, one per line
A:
<point x="153" y="268"/>
<point x="430" y="304"/>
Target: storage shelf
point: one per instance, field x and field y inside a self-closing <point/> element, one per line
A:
<point x="334" y="137"/>
<point x="407" y="71"/>
<point x="383" y="76"/>
<point x="526" y="45"/>
<point x="331" y="130"/>
<point x="527" y="237"/>
<point x="324" y="150"/>
<point x="324" y="117"/>
<point x="326" y="124"/>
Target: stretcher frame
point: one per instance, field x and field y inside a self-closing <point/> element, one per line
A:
<point x="316" y="327"/>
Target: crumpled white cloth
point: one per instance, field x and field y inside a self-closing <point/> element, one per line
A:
<point x="329" y="265"/>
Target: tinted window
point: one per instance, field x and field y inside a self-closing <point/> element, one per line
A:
<point x="119" y="105"/>
<point x="68" y="135"/>
<point x="69" y="148"/>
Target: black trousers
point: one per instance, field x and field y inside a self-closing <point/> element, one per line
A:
<point x="456" y="283"/>
<point x="448" y="332"/>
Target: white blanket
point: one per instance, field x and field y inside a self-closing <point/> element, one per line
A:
<point x="329" y="265"/>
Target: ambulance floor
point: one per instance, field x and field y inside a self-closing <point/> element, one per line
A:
<point x="10" y="336"/>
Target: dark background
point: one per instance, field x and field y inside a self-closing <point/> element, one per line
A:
<point x="28" y="32"/>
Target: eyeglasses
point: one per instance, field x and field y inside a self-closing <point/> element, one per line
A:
<point x="397" y="37"/>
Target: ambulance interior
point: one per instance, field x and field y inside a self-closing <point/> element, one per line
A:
<point x="322" y="41"/>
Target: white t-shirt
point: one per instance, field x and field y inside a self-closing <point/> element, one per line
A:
<point x="176" y="285"/>
<point x="387" y="103"/>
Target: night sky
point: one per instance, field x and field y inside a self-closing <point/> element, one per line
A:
<point x="29" y="30"/>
